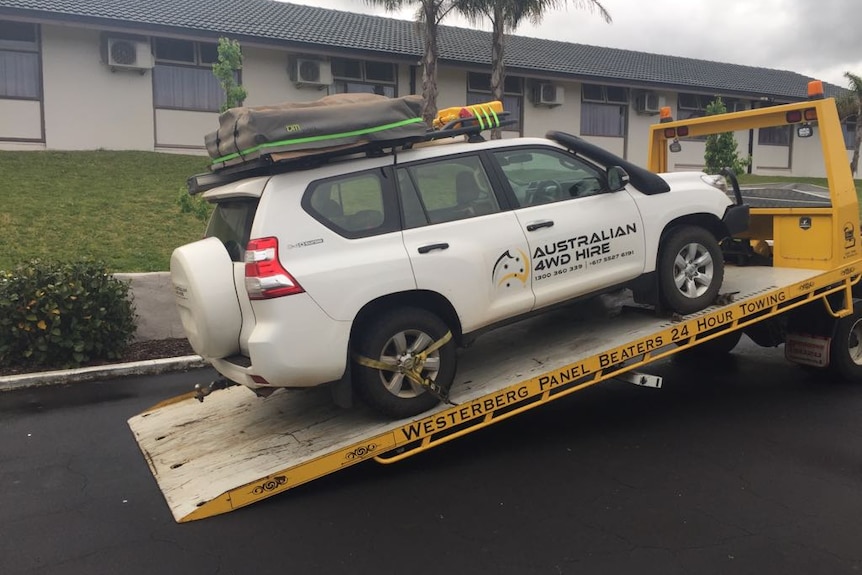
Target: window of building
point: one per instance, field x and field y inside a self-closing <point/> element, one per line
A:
<point x="774" y="136"/>
<point x="19" y="61"/>
<point x="479" y="90"/>
<point x="357" y="76"/>
<point x="849" y="128"/>
<point x="603" y="110"/>
<point x="694" y="106"/>
<point x="183" y="77"/>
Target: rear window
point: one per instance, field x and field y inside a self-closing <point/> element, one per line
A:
<point x="231" y="223"/>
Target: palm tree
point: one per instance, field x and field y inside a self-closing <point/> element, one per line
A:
<point x="850" y="105"/>
<point x="505" y="17"/>
<point x="428" y="17"/>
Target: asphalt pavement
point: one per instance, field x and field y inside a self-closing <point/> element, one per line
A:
<point x="746" y="466"/>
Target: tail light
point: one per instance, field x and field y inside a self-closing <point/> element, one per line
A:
<point x="265" y="277"/>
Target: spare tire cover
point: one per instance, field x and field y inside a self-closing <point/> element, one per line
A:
<point x="203" y="280"/>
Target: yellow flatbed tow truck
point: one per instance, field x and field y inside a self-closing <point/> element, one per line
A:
<point x="792" y="284"/>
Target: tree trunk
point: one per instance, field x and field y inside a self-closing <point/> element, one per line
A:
<point x="854" y="163"/>
<point x="429" y="66"/>
<point x="498" y="69"/>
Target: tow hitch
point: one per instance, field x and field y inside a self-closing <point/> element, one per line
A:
<point x="203" y="390"/>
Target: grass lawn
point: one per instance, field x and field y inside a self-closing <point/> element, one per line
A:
<point x="118" y="207"/>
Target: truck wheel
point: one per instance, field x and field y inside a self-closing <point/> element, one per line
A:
<point x="690" y="269"/>
<point x="845" y="351"/>
<point x="395" y="339"/>
<point x="712" y="349"/>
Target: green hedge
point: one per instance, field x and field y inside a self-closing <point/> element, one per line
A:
<point x="63" y="314"/>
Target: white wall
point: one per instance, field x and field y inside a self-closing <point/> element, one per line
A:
<point x="265" y="76"/>
<point x="20" y="119"/>
<point x="539" y="120"/>
<point x="86" y="105"/>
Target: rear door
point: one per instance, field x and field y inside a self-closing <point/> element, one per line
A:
<point x="582" y="237"/>
<point x="461" y="244"/>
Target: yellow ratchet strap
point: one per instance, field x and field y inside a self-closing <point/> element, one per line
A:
<point x="414" y="374"/>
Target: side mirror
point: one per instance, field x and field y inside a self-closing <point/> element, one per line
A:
<point x="618" y="178"/>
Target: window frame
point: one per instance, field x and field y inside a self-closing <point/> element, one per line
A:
<point x="592" y="103"/>
<point x="513" y="90"/>
<point x="33" y="48"/>
<point x="197" y="64"/>
<point x="363" y="79"/>
<point x="848" y="126"/>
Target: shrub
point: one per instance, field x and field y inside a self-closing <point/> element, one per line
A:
<point x="721" y="149"/>
<point x="63" y="314"/>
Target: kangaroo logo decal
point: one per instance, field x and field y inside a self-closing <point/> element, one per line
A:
<point x="511" y="270"/>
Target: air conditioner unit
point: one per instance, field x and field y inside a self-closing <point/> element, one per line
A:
<point x="129" y="54"/>
<point x="312" y="73"/>
<point x="549" y="95"/>
<point x="647" y="103"/>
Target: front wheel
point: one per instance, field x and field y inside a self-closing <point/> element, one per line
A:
<point x="400" y="340"/>
<point x="690" y="269"/>
<point x="845" y="351"/>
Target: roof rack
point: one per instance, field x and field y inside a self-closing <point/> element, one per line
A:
<point x="468" y="121"/>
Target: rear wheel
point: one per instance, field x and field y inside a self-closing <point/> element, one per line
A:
<point x="845" y="351"/>
<point x="396" y="339"/>
<point x="690" y="269"/>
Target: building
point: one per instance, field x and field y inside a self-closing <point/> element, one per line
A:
<point x="135" y="74"/>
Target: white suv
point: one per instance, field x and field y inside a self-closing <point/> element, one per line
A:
<point x="373" y="270"/>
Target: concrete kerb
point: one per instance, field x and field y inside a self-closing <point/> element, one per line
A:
<point x="157" y="318"/>
<point x="98" y="372"/>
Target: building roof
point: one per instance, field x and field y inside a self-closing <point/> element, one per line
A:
<point x="316" y="29"/>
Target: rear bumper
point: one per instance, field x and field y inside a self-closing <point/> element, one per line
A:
<point x="293" y="344"/>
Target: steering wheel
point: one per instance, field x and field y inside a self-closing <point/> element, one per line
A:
<point x="544" y="192"/>
<point x="585" y="187"/>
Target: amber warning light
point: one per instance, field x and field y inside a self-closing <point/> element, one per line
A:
<point x="815" y="90"/>
<point x="665" y="115"/>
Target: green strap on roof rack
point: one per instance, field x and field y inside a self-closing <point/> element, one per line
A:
<point x="310" y="139"/>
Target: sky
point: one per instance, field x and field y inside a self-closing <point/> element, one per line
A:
<point x="818" y="38"/>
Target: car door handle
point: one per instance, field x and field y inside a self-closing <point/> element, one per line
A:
<point x="539" y="225"/>
<point x="432" y="247"/>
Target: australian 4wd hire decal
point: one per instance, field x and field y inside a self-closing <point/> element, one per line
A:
<point x="580" y="252"/>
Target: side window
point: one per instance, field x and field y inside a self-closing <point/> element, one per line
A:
<point x="445" y="191"/>
<point x="545" y="176"/>
<point x="231" y="223"/>
<point x="351" y="205"/>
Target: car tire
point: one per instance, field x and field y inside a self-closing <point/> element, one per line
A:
<point x="394" y="338"/>
<point x="845" y="350"/>
<point x="690" y="269"/>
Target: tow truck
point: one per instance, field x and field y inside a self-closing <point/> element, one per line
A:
<point x="791" y="280"/>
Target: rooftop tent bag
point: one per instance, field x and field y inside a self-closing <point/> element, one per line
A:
<point x="295" y="129"/>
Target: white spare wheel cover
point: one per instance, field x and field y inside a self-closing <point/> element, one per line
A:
<point x="202" y="276"/>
